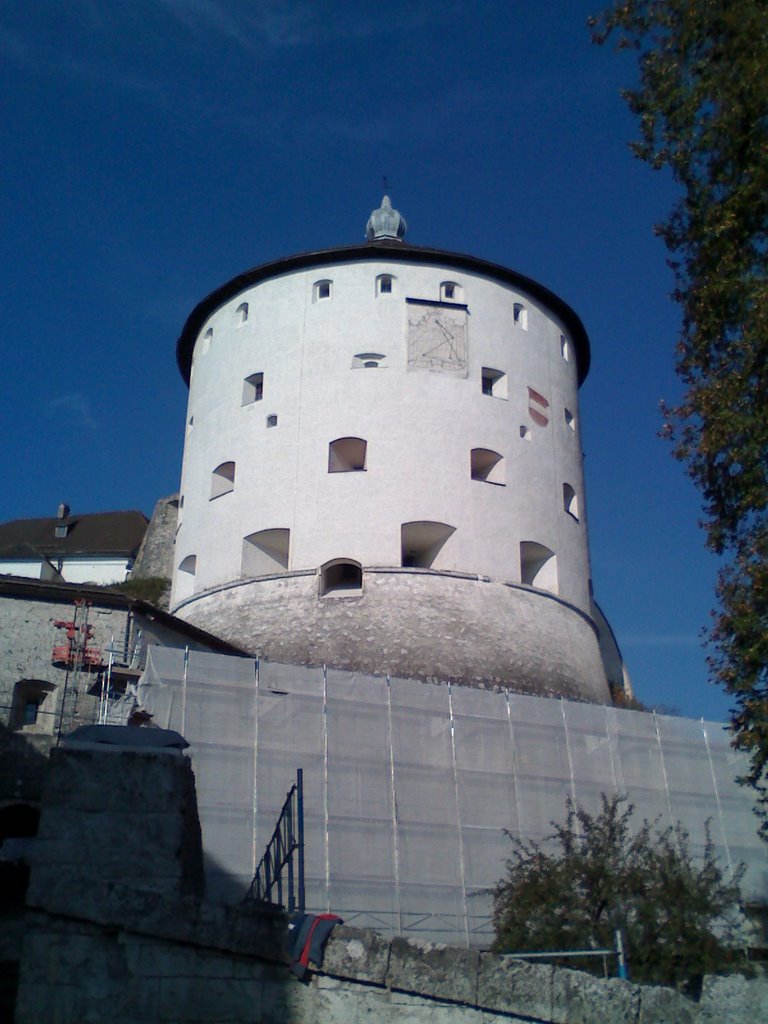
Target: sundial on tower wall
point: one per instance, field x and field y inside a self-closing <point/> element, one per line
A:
<point x="437" y="336"/>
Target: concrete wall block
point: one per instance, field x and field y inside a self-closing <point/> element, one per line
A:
<point x="666" y="1006"/>
<point x="116" y="779"/>
<point x="357" y="953"/>
<point x="193" y="999"/>
<point x="576" y="994"/>
<point x="746" y="999"/>
<point x="515" y="986"/>
<point x="54" y="1004"/>
<point x="253" y="931"/>
<point x="443" y="971"/>
<point x="144" y="844"/>
<point x="414" y="1009"/>
<point x="333" y="1001"/>
<point x="284" y="998"/>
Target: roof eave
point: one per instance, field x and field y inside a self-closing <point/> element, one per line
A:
<point x="397" y="251"/>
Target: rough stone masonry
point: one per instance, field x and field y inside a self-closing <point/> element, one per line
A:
<point x="118" y="931"/>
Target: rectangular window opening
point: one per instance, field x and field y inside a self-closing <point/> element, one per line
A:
<point x="253" y="388"/>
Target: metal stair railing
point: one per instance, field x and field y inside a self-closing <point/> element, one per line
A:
<point x="287" y="840"/>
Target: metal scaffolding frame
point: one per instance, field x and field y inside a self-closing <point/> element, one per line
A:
<point x="409" y="785"/>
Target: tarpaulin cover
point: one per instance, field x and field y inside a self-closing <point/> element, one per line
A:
<point x="408" y="785"/>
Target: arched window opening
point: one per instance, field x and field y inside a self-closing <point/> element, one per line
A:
<point x="32" y="706"/>
<point x="570" y="420"/>
<point x="341" y="576"/>
<point x="253" y="388"/>
<point x="347" y="455"/>
<point x="265" y="552"/>
<point x="384" y="284"/>
<point x="538" y="407"/>
<point x="223" y="479"/>
<point x="207" y="339"/>
<point x="493" y="382"/>
<point x="368" y="360"/>
<point x="422" y="543"/>
<point x="565" y="349"/>
<point x="520" y="316"/>
<point x="487" y="466"/>
<point x="570" y="501"/>
<point x="241" y="313"/>
<point x="538" y="566"/>
<point x="450" y="291"/>
<point x="321" y="290"/>
<point x="184" y="585"/>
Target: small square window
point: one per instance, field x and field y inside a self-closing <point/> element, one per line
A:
<point x="272" y="420"/>
<point x="450" y="291"/>
<point x="493" y="382"/>
<point x="321" y="290"/>
<point x="253" y="388"/>
<point x="31" y="709"/>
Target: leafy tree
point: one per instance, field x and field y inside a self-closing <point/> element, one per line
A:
<point x="595" y="873"/>
<point x="702" y="104"/>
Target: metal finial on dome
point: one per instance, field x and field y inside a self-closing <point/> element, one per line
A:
<point x="385" y="223"/>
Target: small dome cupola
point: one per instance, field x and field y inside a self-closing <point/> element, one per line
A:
<point x="385" y="223"/>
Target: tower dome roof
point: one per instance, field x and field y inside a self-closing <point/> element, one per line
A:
<point x="385" y="223"/>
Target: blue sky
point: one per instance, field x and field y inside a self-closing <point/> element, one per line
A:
<point x="154" y="149"/>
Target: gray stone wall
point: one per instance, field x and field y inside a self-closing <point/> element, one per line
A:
<point x="114" y="818"/>
<point x="74" y="971"/>
<point x="27" y="638"/>
<point x="117" y="933"/>
<point x="415" y="624"/>
<point x="155" y="556"/>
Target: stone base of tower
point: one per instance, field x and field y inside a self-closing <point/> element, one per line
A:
<point x="413" y="623"/>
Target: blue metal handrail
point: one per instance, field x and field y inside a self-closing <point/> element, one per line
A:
<point x="287" y="840"/>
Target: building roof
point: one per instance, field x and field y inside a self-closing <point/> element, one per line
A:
<point x="386" y="249"/>
<point x="111" y="597"/>
<point x="116" y="534"/>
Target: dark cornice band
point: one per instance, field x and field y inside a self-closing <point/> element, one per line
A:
<point x="397" y="252"/>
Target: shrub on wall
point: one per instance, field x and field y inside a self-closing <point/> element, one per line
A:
<point x="596" y="873"/>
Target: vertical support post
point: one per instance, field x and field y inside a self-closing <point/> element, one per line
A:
<point x="623" y="969"/>
<point x="184" y="692"/>
<point x="300" y="829"/>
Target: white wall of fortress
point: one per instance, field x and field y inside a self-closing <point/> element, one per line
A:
<point x="420" y="426"/>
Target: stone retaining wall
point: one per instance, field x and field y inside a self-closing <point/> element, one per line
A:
<point x="75" y="971"/>
<point x="117" y="932"/>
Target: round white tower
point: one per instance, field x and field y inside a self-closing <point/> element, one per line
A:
<point x="382" y="468"/>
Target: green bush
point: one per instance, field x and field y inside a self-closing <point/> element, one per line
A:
<point x="678" y="915"/>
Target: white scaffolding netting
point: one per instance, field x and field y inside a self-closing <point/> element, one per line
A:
<point x="408" y="786"/>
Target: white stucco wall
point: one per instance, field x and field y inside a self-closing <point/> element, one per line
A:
<point x="420" y="426"/>
<point x="73" y="570"/>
